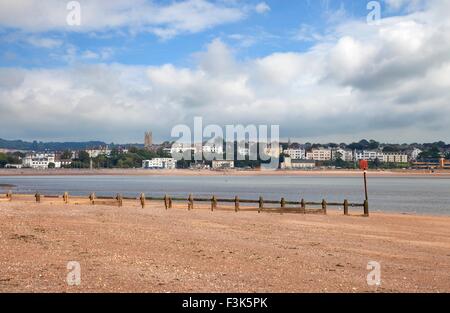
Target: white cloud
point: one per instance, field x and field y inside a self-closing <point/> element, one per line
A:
<point x="168" y="20"/>
<point x="102" y="54"/>
<point x="388" y="81"/>
<point x="262" y="8"/>
<point x="42" y="42"/>
<point x="408" y="4"/>
<point x="307" y="33"/>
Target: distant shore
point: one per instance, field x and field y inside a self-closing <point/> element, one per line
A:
<point x="234" y="172"/>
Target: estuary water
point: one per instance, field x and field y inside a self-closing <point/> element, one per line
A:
<point x="420" y="195"/>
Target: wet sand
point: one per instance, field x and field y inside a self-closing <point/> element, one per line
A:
<point x="155" y="250"/>
<point x="235" y="172"/>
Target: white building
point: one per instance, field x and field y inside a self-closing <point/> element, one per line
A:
<point x="222" y="164"/>
<point x="160" y="163"/>
<point x="62" y="162"/>
<point x="369" y="155"/>
<point x="296" y="154"/>
<point x="13" y="166"/>
<point x="213" y="148"/>
<point x="290" y="163"/>
<point x="39" y="160"/>
<point x="395" y="157"/>
<point x="321" y="154"/>
<point x="345" y="155"/>
<point x="414" y="154"/>
<point x="180" y="148"/>
<point x="244" y="151"/>
<point x="93" y="153"/>
<point x="272" y="150"/>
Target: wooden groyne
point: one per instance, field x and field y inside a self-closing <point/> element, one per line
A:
<point x="212" y="203"/>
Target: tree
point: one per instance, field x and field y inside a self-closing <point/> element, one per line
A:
<point x="377" y="163"/>
<point x="340" y="163"/>
<point x="133" y="150"/>
<point x="84" y="157"/>
<point x="390" y="149"/>
<point x="66" y="155"/>
<point x="432" y="153"/>
<point x="3" y="160"/>
<point x="51" y="165"/>
<point x="373" y="145"/>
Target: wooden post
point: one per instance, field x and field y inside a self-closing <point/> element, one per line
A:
<point x="283" y="203"/>
<point x="261" y="204"/>
<point x="142" y="199"/>
<point x="365" y="186"/>
<point x="166" y="202"/>
<point x="236" y="204"/>
<point x="366" y="208"/>
<point x="324" y="206"/>
<point x="38" y="197"/>
<point x="213" y="203"/>
<point x="119" y="199"/>
<point x="345" y="207"/>
<point x="92" y="197"/>
<point x="190" y="202"/>
<point x="170" y="202"/>
<point x="66" y="197"/>
<point x="303" y="206"/>
<point x="366" y="202"/>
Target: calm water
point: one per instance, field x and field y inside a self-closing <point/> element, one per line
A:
<point x="390" y="194"/>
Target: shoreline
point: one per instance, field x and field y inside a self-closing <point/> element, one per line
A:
<point x="235" y="172"/>
<point x="28" y="198"/>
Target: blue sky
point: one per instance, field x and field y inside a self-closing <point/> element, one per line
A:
<point x="254" y="35"/>
<point x="316" y="68"/>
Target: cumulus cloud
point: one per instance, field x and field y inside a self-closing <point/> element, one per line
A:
<point x="389" y="82"/>
<point x="166" y="21"/>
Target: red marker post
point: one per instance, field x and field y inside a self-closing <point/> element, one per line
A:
<point x="364" y="166"/>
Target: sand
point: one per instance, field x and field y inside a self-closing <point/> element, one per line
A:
<point x="130" y="249"/>
<point x="233" y="172"/>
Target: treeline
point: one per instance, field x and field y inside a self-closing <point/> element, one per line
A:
<point x="52" y="146"/>
<point x="10" y="158"/>
<point x="132" y="159"/>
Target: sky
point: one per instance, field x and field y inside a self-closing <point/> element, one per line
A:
<point x="324" y="70"/>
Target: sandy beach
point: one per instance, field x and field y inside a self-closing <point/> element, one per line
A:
<point x="156" y="250"/>
<point x="235" y="172"/>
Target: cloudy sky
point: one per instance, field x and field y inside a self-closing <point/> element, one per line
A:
<point x="317" y="68"/>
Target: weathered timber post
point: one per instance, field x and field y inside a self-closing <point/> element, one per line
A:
<point x="66" y="197"/>
<point x="283" y="203"/>
<point x="142" y="199"/>
<point x="92" y="197"/>
<point x="170" y="202"/>
<point x="190" y="202"/>
<point x="119" y="199"/>
<point x="345" y="207"/>
<point x="213" y="203"/>
<point x="365" y="186"/>
<point x="38" y="197"/>
<point x="166" y="201"/>
<point x="303" y="206"/>
<point x="324" y="206"/>
<point x="366" y="208"/>
<point x="9" y="195"/>
<point x="236" y="204"/>
<point x="261" y="204"/>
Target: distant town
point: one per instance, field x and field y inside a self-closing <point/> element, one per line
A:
<point x="292" y="155"/>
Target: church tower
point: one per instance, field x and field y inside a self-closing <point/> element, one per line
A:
<point x="148" y="139"/>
